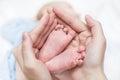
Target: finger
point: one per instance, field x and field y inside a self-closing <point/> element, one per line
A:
<point x="75" y="23"/>
<point x="98" y="40"/>
<point x="47" y="30"/>
<point x="47" y="34"/>
<point x="95" y="27"/>
<point x="52" y="15"/>
<point x="41" y="26"/>
<point x="50" y="23"/>
<point x="27" y="50"/>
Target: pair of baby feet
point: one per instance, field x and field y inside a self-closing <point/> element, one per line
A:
<point x="62" y="51"/>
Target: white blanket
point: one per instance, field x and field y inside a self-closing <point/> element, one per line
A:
<point x="106" y="11"/>
<point x="5" y="46"/>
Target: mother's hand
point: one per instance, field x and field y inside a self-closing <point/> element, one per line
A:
<point x="92" y="69"/>
<point x="33" y="68"/>
<point x="95" y="47"/>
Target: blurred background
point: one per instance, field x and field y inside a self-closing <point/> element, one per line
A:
<point x="106" y="11"/>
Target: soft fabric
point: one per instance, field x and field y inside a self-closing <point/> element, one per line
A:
<point x="12" y="32"/>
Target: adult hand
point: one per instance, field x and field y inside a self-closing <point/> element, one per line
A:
<point x="38" y="35"/>
<point x="95" y="48"/>
<point x="92" y="69"/>
<point x="33" y="68"/>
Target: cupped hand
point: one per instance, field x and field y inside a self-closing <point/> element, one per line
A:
<point x="33" y="68"/>
<point x="94" y="41"/>
<point x="25" y="53"/>
<point x="95" y="51"/>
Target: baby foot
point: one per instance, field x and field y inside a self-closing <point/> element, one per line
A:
<point x="68" y="59"/>
<point x="57" y="41"/>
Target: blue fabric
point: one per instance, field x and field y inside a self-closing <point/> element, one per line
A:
<point x="13" y="33"/>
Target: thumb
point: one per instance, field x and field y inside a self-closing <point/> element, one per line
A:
<point x="33" y="69"/>
<point x="97" y="46"/>
<point x="95" y="26"/>
<point x="27" y="49"/>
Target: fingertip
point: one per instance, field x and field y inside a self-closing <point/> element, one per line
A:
<point x="88" y="17"/>
<point x="25" y="36"/>
<point x="89" y="20"/>
<point x="26" y="39"/>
